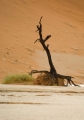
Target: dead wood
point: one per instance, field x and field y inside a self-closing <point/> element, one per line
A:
<point x="53" y="72"/>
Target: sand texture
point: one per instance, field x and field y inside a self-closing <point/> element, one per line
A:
<point x="62" y="19"/>
<point x="41" y="102"/>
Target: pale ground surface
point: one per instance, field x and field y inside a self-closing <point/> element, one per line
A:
<point x="41" y="102"/>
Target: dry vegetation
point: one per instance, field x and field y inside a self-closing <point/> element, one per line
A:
<point x="18" y="79"/>
<point x="46" y="79"/>
<point x="26" y="79"/>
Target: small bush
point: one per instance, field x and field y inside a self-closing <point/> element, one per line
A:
<point x="18" y="79"/>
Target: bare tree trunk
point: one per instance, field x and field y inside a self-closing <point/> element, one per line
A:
<point x="52" y="71"/>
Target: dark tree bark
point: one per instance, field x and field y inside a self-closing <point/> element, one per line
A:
<point x="42" y="41"/>
<point x="52" y="71"/>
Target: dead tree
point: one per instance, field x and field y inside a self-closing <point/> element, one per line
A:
<point x="52" y="71"/>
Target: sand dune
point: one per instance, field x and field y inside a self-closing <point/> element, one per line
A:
<point x="63" y="19"/>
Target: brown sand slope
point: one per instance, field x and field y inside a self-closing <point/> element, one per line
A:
<point x="63" y="19"/>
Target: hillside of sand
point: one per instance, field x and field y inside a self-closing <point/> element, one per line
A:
<point x="62" y="19"/>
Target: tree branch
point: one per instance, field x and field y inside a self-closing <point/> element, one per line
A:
<point x="52" y="71"/>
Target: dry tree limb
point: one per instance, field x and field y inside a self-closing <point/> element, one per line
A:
<point x="47" y="38"/>
<point x="37" y="40"/>
<point x="52" y="71"/>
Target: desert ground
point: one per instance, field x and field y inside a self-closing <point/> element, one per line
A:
<point x="64" y="21"/>
<point x="25" y="102"/>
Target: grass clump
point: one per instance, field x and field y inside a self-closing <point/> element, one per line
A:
<point x="18" y="79"/>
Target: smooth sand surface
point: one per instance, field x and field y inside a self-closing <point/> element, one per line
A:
<point x="23" y="102"/>
<point x="62" y="19"/>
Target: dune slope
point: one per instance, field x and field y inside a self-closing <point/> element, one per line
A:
<point x="63" y="19"/>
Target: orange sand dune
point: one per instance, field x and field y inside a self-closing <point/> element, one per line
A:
<point x="63" y="19"/>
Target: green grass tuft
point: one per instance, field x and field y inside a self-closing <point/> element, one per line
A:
<point x="18" y="79"/>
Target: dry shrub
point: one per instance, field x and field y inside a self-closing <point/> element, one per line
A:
<point x="46" y="79"/>
<point x="18" y="79"/>
<point x="61" y="82"/>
